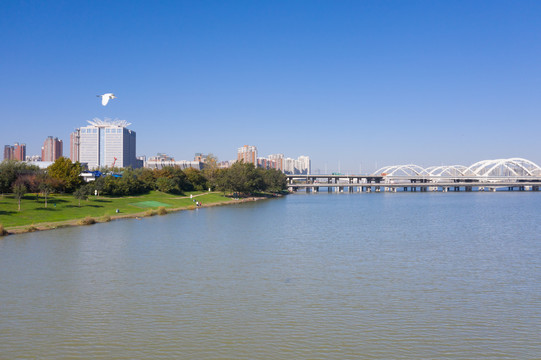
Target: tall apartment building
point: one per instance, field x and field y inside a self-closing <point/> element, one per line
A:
<point x="248" y="154"/>
<point x="277" y="161"/>
<point x="8" y="152"/>
<point x="301" y="165"/>
<point x="75" y="138"/>
<point x="15" y="152"/>
<point x="52" y="149"/>
<point x="103" y="143"/>
<point x="304" y="165"/>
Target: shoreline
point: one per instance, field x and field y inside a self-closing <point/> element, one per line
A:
<point x="23" y="229"/>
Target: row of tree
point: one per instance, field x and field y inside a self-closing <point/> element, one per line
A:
<point x="65" y="176"/>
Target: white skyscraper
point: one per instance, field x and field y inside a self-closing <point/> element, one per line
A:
<point x="305" y="165"/>
<point x="103" y="141"/>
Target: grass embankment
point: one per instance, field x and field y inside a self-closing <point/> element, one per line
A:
<point x="65" y="210"/>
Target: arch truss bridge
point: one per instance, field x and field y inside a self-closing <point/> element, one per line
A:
<point x="486" y="175"/>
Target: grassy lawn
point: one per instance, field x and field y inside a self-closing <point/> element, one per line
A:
<point x="67" y="207"/>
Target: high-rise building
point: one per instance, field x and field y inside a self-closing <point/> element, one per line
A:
<point x="104" y="143"/>
<point x="8" y="152"/>
<point x="19" y="152"/>
<point x="304" y="165"/>
<point x="277" y="161"/>
<point x="248" y="154"/>
<point x="15" y="152"/>
<point x="52" y="149"/>
<point x="74" y="145"/>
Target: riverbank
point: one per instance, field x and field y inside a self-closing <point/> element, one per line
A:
<point x="64" y="211"/>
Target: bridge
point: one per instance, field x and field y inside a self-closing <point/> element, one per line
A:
<point x="488" y="175"/>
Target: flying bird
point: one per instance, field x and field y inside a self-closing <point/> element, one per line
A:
<point x="106" y="97"/>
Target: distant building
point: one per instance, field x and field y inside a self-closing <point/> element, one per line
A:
<point x="8" y="152"/>
<point x="52" y="149"/>
<point x="248" y="154"/>
<point x="163" y="160"/>
<point x="200" y="157"/>
<point x="104" y="143"/>
<point x="304" y="165"/>
<point x="20" y="152"/>
<point x="33" y="158"/>
<point x="75" y="138"/>
<point x="301" y="165"/>
<point x="277" y="161"/>
<point x="225" y="164"/>
<point x="15" y="152"/>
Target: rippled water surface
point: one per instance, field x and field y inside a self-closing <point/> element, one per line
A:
<point x="308" y="276"/>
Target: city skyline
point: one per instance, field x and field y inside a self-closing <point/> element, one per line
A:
<point x="356" y="86"/>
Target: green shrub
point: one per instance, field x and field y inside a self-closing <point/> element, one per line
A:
<point x="161" y="210"/>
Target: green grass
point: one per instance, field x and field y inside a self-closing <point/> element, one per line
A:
<point x="149" y="204"/>
<point x="34" y="212"/>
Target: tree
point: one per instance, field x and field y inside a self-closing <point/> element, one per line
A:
<point x="67" y="172"/>
<point x="211" y="169"/>
<point x="222" y="180"/>
<point x="45" y="188"/>
<point x="178" y="176"/>
<point x="146" y="177"/>
<point x="10" y="170"/>
<point x="244" y="178"/>
<point x="196" y="178"/>
<point x="19" y="189"/>
<point x="166" y="185"/>
<point x="274" y="180"/>
<point x="80" y="194"/>
<point x="98" y="185"/>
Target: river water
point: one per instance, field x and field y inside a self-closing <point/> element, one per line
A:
<point x="307" y="276"/>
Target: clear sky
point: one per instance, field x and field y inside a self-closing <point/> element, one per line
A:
<point x="355" y="83"/>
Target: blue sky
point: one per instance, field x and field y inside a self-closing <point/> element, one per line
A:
<point x="355" y="83"/>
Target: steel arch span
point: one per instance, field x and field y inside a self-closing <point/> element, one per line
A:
<point x="446" y="170"/>
<point x="404" y="170"/>
<point x="504" y="167"/>
<point x="512" y="167"/>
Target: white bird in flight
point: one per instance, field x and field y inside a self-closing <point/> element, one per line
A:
<point x="105" y="98"/>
